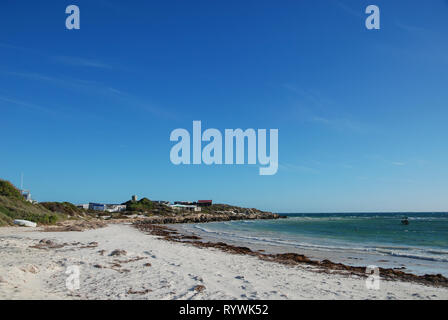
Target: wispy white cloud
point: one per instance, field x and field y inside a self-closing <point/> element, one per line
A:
<point x="395" y="180"/>
<point x="351" y="11"/>
<point x="82" y="62"/>
<point x="298" y="168"/>
<point x="10" y="46"/>
<point x="86" y="86"/>
<point x="312" y="97"/>
<point x="96" y="88"/>
<point x="384" y="160"/>
<point x="24" y="104"/>
<point x="340" y="123"/>
<point x="316" y="108"/>
<point x="66" y="60"/>
<point x="68" y="83"/>
<point x="409" y="28"/>
<point x="60" y="112"/>
<point x="421" y="55"/>
<point x="33" y="76"/>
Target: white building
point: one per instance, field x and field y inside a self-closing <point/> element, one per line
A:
<point x="185" y="207"/>
<point x="115" y="207"/>
<point x="167" y="203"/>
<point x="107" y="207"/>
<point x="27" y="196"/>
<point x="97" y="206"/>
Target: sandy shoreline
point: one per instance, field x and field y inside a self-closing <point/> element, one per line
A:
<point x="347" y="256"/>
<point x="153" y="268"/>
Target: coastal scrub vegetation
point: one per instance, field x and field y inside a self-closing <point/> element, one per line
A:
<point x="142" y="205"/>
<point x="7" y="189"/>
<point x="14" y="206"/>
<point x="148" y="207"/>
<point x="226" y="209"/>
<point x="11" y="209"/>
<point x="152" y="208"/>
<point x="64" y="207"/>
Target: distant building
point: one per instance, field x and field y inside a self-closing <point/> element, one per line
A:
<point x="97" y="206"/>
<point x="186" y="207"/>
<point x="26" y="194"/>
<point x="27" y="197"/>
<point x="186" y="203"/>
<point x="134" y="198"/>
<point x="167" y="203"/>
<point x="83" y="206"/>
<point x="115" y="207"/>
<point x="204" y="203"/>
<point x="107" y="207"/>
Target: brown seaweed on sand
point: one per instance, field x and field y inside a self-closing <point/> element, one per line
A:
<point x="293" y="258"/>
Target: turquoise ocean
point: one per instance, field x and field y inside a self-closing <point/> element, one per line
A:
<point x="352" y="238"/>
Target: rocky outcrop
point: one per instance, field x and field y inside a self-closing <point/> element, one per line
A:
<point x="208" y="217"/>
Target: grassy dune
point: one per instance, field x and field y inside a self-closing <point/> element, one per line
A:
<point x="13" y="206"/>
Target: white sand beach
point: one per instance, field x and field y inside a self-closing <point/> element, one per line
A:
<point x="153" y="268"/>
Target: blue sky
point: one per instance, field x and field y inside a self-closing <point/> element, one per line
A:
<point x="362" y="115"/>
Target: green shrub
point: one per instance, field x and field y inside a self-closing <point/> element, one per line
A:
<point x="12" y="208"/>
<point x="142" y="205"/>
<point x="63" y="207"/>
<point x="7" y="189"/>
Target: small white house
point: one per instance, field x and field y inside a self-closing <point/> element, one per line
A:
<point x="27" y="196"/>
<point x="97" y="206"/>
<point x="186" y="207"/>
<point x="115" y="207"/>
<point x="106" y="207"/>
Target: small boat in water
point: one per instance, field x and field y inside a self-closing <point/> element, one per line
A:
<point x="405" y="221"/>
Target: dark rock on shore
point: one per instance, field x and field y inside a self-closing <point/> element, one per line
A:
<point x="118" y="252"/>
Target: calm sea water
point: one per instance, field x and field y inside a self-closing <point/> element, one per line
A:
<point x="424" y="242"/>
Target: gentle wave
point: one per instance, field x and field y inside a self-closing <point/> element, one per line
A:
<point x="428" y="254"/>
<point x="352" y="218"/>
